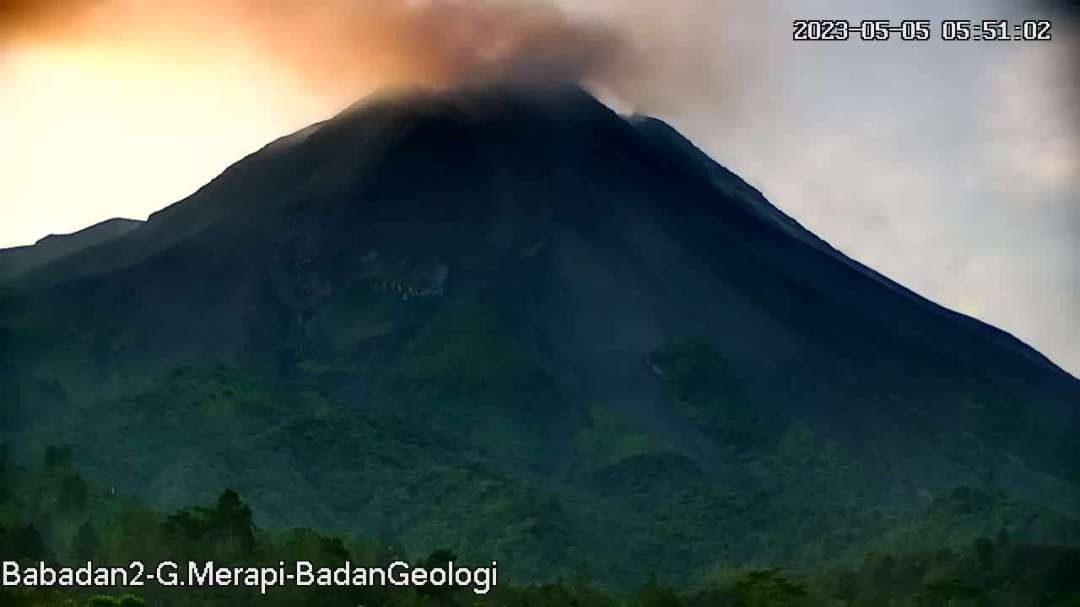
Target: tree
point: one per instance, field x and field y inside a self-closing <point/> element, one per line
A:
<point x="233" y="521"/>
<point x="230" y="521"/>
<point x="951" y="591"/>
<point x="334" y="548"/>
<point x="440" y="558"/>
<point x="73" y="493"/>
<point x="127" y="600"/>
<point x="22" y="542"/>
<point x="5" y="465"/>
<point x="984" y="551"/>
<point x="5" y="456"/>
<point x="653" y="594"/>
<point x="86" y="543"/>
<point x="767" y="588"/>
<point x="189" y="523"/>
<point x="57" y="457"/>
<point x="842" y="585"/>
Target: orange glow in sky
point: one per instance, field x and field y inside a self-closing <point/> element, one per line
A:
<point x="91" y="133"/>
<point x="121" y="107"/>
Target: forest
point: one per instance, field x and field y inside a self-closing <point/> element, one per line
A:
<point x="50" y="514"/>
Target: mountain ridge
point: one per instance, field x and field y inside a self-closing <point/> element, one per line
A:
<point x="15" y="261"/>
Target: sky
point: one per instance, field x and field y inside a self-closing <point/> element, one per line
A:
<point x="953" y="168"/>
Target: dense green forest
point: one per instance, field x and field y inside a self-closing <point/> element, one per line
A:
<point x="796" y="501"/>
<point x="50" y="513"/>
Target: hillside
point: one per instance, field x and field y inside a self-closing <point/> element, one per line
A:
<point x="517" y="323"/>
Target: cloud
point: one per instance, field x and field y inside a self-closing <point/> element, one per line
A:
<point x="27" y="19"/>
<point x="337" y="44"/>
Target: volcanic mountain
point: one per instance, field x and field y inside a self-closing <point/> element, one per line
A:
<point x="514" y="322"/>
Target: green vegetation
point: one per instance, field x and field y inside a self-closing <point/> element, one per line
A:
<point x="626" y="495"/>
<point x="38" y="523"/>
<point x="464" y="437"/>
<point x="464" y="374"/>
<point x="611" y="438"/>
<point x="712" y="398"/>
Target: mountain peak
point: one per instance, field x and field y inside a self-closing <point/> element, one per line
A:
<point x="479" y="101"/>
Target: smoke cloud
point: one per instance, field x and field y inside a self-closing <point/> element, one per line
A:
<point x="341" y="44"/>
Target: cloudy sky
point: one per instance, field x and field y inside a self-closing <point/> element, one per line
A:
<point x="953" y="168"/>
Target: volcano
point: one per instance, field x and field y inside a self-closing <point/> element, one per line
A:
<point x="517" y="323"/>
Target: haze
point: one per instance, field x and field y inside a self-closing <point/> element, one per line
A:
<point x="952" y="168"/>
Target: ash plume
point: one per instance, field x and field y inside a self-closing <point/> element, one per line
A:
<point x="341" y="43"/>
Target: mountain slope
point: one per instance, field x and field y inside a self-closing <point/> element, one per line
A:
<point x="586" y="303"/>
<point x="20" y="260"/>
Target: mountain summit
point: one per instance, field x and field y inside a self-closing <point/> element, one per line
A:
<point x="589" y="326"/>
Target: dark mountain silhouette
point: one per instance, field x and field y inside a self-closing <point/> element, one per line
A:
<point x="19" y="260"/>
<point x="575" y="315"/>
